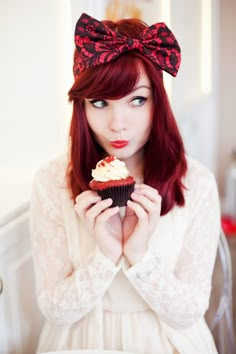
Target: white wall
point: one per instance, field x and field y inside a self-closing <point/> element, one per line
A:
<point x="35" y="70"/>
<point x="35" y="65"/>
<point x="227" y="102"/>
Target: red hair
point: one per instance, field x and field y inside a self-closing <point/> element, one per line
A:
<point x="165" y="162"/>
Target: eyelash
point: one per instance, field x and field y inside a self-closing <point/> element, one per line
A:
<point x="141" y="98"/>
<point x="95" y="101"/>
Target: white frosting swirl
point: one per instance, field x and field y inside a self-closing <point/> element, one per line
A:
<point x="110" y="169"/>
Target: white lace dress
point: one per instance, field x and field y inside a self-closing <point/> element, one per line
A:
<point x="154" y="307"/>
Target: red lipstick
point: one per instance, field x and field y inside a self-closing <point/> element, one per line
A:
<point x="119" y="144"/>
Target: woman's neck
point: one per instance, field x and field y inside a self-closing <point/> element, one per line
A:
<point x="135" y="165"/>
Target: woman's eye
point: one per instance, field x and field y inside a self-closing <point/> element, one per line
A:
<point x="98" y="103"/>
<point x="138" y="101"/>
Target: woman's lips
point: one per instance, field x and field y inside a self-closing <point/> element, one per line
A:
<point x="119" y="144"/>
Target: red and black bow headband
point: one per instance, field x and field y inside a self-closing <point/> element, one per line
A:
<point x="97" y="44"/>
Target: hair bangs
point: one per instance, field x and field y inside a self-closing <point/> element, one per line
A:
<point x="112" y="80"/>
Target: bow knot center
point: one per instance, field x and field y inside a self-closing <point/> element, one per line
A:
<point x="133" y="43"/>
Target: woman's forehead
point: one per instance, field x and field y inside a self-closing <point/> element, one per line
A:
<point x="143" y="77"/>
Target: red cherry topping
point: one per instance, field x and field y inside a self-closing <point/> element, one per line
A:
<point x="108" y="159"/>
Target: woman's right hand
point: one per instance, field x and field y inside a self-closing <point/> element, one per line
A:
<point x="102" y="222"/>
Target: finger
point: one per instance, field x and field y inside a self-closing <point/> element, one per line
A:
<point x="85" y="201"/>
<point x="145" y="203"/>
<point x="84" y="195"/>
<point x="106" y="215"/>
<point x="149" y="192"/>
<point x="90" y="214"/>
<point x="146" y="210"/>
<point x="140" y="212"/>
<point x="150" y="206"/>
<point x="96" y="210"/>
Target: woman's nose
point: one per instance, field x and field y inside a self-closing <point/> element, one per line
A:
<point x="117" y="121"/>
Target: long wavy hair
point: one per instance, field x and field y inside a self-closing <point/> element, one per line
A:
<point x="164" y="155"/>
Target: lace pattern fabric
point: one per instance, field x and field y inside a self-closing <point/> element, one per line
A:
<point x="175" y="286"/>
<point x="65" y="294"/>
<point x="181" y="297"/>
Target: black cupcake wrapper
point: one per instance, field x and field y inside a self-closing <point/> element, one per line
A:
<point x="119" y="194"/>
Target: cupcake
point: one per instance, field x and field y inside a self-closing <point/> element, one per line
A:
<point x="111" y="180"/>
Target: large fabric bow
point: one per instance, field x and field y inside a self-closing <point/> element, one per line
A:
<point x="97" y="44"/>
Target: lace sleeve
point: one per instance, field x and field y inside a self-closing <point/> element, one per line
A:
<point x="182" y="297"/>
<point x="64" y="294"/>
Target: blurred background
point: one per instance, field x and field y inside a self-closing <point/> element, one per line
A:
<point x="36" y="40"/>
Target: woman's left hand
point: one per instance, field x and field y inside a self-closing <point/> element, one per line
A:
<point x="141" y="218"/>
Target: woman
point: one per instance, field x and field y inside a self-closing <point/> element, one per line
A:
<point x="138" y="278"/>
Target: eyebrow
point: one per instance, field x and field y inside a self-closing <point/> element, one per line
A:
<point x="141" y="86"/>
<point x="133" y="90"/>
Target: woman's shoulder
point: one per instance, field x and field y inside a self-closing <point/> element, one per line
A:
<point x="198" y="177"/>
<point x="197" y="170"/>
<point x="48" y="187"/>
<point x="200" y="188"/>
<point x="53" y="172"/>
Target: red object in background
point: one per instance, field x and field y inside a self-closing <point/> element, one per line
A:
<point x="229" y="226"/>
